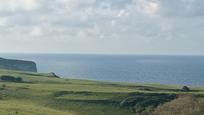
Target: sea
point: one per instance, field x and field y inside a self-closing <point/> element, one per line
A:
<point x="156" y="69"/>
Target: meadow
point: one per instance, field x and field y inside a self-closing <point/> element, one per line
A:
<point x="42" y="94"/>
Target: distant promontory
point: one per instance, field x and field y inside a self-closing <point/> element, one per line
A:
<point x="18" y="65"/>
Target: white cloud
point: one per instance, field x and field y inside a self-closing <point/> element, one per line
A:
<point x="122" y="13"/>
<point x="28" y="4"/>
<point x="15" y="5"/>
<point x="64" y="6"/>
<point x="3" y="21"/>
<point x="36" y="31"/>
<point x="147" y="6"/>
<point x="127" y="25"/>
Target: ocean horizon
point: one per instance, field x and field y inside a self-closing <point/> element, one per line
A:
<point x="161" y="69"/>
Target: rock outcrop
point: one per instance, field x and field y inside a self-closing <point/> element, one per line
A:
<point x="52" y="74"/>
<point x="18" y="65"/>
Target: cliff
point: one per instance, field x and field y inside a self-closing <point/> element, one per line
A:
<point x="18" y="65"/>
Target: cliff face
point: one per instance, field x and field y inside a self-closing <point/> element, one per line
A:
<point x="18" y="65"/>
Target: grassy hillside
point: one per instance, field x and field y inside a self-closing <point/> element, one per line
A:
<point x="41" y="94"/>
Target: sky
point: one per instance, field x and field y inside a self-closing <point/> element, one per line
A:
<point x="102" y="26"/>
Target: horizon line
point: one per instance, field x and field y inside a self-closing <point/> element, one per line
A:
<point x="77" y="53"/>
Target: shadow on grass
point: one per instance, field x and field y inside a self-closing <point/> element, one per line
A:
<point x="136" y="102"/>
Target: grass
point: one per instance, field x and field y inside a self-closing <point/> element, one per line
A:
<point x="184" y="105"/>
<point x="41" y="94"/>
<point x="14" y="107"/>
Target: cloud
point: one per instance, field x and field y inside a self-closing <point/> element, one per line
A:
<point x="36" y="31"/>
<point x="182" y="8"/>
<point x="147" y="6"/>
<point x="87" y="25"/>
<point x="15" y="5"/>
<point x="3" y="21"/>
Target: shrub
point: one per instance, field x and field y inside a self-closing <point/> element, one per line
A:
<point x="3" y="85"/>
<point x="11" y="78"/>
<point x="19" y="79"/>
<point x="141" y="103"/>
<point x="185" y="105"/>
<point x="185" y="88"/>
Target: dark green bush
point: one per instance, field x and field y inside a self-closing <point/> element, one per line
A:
<point x="19" y="79"/>
<point x="185" y="88"/>
<point x="141" y="101"/>
<point x="3" y="85"/>
<point x="11" y="78"/>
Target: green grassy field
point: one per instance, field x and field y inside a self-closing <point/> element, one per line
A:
<point x="40" y="94"/>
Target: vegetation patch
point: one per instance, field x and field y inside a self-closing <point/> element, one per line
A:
<point x="44" y="95"/>
<point x="90" y="97"/>
<point x="141" y="102"/>
<point x="11" y="78"/>
<point x="183" y="105"/>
